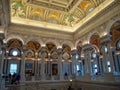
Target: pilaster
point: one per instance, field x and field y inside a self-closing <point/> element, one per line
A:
<point x="43" y="49"/>
<point x="59" y="51"/>
<point x="73" y="59"/>
<point x="107" y="56"/>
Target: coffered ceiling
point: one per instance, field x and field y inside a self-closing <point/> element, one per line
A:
<point x="63" y="15"/>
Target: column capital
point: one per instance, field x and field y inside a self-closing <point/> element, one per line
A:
<point x="43" y="49"/>
<point x="105" y="39"/>
<point x="24" y="47"/>
<point x="59" y="50"/>
<point x="43" y="52"/>
<point x="86" y="47"/>
<point x="74" y="52"/>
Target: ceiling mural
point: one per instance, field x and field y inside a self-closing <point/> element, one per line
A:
<point x="50" y="47"/>
<point x="66" y="52"/>
<point x="57" y="12"/>
<point x="14" y="43"/>
<point x="95" y="40"/>
<point x="33" y="45"/>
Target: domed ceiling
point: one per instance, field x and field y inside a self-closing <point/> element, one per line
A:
<point x="64" y="15"/>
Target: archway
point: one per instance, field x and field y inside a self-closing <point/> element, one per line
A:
<point x="115" y="38"/>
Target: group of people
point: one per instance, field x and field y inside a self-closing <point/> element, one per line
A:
<point x="14" y="79"/>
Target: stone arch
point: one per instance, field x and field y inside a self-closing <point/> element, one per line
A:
<point x="34" y="39"/>
<point x="34" y="45"/>
<point x="79" y="41"/>
<point x="93" y="33"/>
<point x="94" y="40"/>
<point x="111" y="22"/>
<point x="117" y="41"/>
<point x="114" y="32"/>
<point x="14" y="37"/>
<point x="96" y="48"/>
<point x="53" y="41"/>
<point x="69" y="43"/>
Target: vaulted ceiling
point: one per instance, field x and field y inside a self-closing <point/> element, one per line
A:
<point x="64" y="15"/>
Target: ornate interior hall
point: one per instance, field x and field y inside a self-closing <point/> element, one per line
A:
<point x="59" y="44"/>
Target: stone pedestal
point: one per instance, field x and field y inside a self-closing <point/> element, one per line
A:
<point x="109" y="77"/>
<point x="87" y="77"/>
<point x="117" y="78"/>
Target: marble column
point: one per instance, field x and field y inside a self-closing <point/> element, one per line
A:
<point x="116" y="59"/>
<point x="115" y="55"/>
<point x="43" y="49"/>
<point x="59" y="51"/>
<point x="87" y="64"/>
<point x="110" y="57"/>
<point x="49" y="66"/>
<point x="107" y="56"/>
<point x="22" y="72"/>
<point x="73" y="59"/>
<point x="6" y="63"/>
<point x="104" y="60"/>
<point x="2" y="80"/>
<point x="99" y="75"/>
<point x="2" y="55"/>
<point x="36" y="66"/>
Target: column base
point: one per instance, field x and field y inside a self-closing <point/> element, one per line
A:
<point x="43" y="78"/>
<point x="61" y="77"/>
<point x="33" y="78"/>
<point x="109" y="77"/>
<point x="87" y="77"/>
<point x="80" y="78"/>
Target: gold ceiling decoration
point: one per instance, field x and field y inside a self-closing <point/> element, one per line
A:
<point x="64" y="13"/>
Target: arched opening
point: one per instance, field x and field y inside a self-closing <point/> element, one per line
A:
<point x="115" y="43"/>
<point x="96" y="62"/>
<point x="80" y="60"/>
<point x="51" y="64"/>
<point x="12" y="62"/>
<point x="32" y="63"/>
<point x="66" y="61"/>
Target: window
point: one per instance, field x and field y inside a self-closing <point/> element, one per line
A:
<point x="13" y="68"/>
<point x="0" y="51"/>
<point x="14" y="53"/>
<point x="94" y="55"/>
<point x="77" y="56"/>
<point x="118" y="44"/>
<point x="106" y="50"/>
<point x="78" y="68"/>
<point x="108" y="64"/>
<point x="109" y="69"/>
<point x="95" y="68"/>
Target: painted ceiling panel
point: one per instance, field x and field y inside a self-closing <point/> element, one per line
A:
<point x="66" y="13"/>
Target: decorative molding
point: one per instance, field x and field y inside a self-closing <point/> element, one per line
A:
<point x="103" y="17"/>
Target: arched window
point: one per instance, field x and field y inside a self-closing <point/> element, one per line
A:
<point x="105" y="50"/>
<point x="13" y="68"/>
<point x="94" y="55"/>
<point x="14" y="52"/>
<point x="118" y="45"/>
<point x="118" y="56"/>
